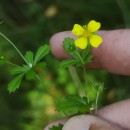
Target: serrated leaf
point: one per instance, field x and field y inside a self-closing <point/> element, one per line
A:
<point x="30" y="75"/>
<point x="66" y="63"/>
<point x="69" y="45"/>
<point x="29" y="58"/>
<point x="41" y="52"/>
<point x="15" y="83"/>
<point x="19" y="69"/>
<point x="58" y="127"/>
<point x="73" y="105"/>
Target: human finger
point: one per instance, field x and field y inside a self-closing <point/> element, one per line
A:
<point x="112" y="55"/>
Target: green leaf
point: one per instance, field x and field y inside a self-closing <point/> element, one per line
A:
<point x="58" y="127"/>
<point x="20" y="70"/>
<point x="41" y="52"/>
<point x="29" y="57"/>
<point x="88" y="59"/>
<point x="66" y="63"/>
<point x="30" y="75"/>
<point x="93" y="90"/>
<point x="15" y="83"/>
<point x="69" y="45"/>
<point x="73" y="105"/>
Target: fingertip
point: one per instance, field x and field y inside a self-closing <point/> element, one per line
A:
<point x="77" y="123"/>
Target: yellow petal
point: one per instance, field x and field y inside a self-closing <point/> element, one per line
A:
<point x="93" y="26"/>
<point x="95" y="40"/>
<point x="78" y="30"/>
<point x="81" y="42"/>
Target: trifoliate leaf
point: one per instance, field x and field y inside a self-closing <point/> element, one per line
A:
<point x="58" y="127"/>
<point x="66" y="63"/>
<point x="15" y="83"/>
<point x="41" y="52"/>
<point x="29" y="58"/>
<point x="74" y="104"/>
<point x="69" y="45"/>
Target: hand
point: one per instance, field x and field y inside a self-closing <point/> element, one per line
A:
<point x="113" y="55"/>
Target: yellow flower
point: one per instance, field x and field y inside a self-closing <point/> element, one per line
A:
<point x="87" y="34"/>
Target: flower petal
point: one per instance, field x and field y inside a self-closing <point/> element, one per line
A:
<point x="78" y="30"/>
<point x="95" y="40"/>
<point x="93" y="26"/>
<point x="81" y="42"/>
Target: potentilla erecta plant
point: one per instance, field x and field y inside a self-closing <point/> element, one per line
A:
<point x="86" y="99"/>
<point x="87" y="96"/>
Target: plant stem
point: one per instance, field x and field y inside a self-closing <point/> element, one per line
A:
<point x="86" y="52"/>
<point x="78" y="55"/>
<point x="38" y="78"/>
<point x="12" y="64"/>
<point x="14" y="46"/>
<point x="75" y="77"/>
<point x="96" y="103"/>
<point x="85" y="76"/>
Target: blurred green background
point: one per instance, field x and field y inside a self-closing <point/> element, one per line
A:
<point x="30" y="23"/>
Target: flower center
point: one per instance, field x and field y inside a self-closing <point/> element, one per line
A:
<point x="87" y="33"/>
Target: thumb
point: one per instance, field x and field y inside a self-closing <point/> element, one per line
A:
<point x="88" y="122"/>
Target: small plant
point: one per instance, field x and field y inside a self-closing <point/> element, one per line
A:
<point x="86" y="98"/>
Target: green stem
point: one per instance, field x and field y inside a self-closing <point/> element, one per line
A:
<point x="12" y="64"/>
<point x="38" y="78"/>
<point x="85" y="75"/>
<point x="85" y="79"/>
<point x="75" y="77"/>
<point x="78" y="55"/>
<point x="14" y="47"/>
<point x="86" y="52"/>
<point x="96" y="103"/>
